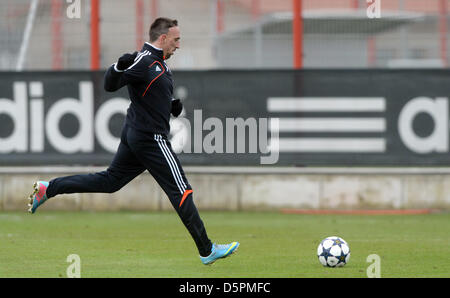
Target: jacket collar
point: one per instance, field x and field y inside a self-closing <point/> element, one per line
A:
<point x="154" y="50"/>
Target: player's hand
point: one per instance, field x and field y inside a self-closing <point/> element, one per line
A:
<point x="177" y="107"/>
<point x="126" y="60"/>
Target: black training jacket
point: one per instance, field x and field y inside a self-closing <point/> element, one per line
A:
<point x="150" y="87"/>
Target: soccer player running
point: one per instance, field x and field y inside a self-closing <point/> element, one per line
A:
<point x="143" y="143"/>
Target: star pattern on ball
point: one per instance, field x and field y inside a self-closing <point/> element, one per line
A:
<point x="335" y="253"/>
<point x="342" y="257"/>
<point x="337" y="242"/>
<point x="325" y="252"/>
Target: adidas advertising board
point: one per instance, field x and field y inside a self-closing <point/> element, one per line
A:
<point x="316" y="117"/>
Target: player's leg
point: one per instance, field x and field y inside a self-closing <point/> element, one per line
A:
<point x="186" y="207"/>
<point x="165" y="167"/>
<point x="172" y="180"/>
<point x="124" y="168"/>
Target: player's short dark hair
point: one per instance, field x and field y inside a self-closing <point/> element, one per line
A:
<point x="161" y="26"/>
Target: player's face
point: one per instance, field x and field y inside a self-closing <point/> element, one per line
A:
<point x="172" y="41"/>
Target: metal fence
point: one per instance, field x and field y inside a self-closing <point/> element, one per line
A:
<point x="56" y="34"/>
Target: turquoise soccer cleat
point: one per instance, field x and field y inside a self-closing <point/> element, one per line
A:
<point x="38" y="197"/>
<point x="219" y="251"/>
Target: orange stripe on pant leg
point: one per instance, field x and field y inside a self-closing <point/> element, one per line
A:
<point x="186" y="193"/>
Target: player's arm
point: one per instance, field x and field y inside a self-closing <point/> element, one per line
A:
<point x="127" y="70"/>
<point x="113" y="79"/>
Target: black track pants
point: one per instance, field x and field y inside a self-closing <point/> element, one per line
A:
<point x="138" y="152"/>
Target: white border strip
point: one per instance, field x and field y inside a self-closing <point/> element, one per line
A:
<point x="331" y="125"/>
<point x="342" y="145"/>
<point x="326" y="104"/>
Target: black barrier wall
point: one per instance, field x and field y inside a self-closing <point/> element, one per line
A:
<point x="269" y="117"/>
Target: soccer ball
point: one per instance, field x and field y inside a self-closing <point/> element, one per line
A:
<point x="333" y="252"/>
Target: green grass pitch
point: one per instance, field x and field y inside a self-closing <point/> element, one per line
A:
<point x="273" y="245"/>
